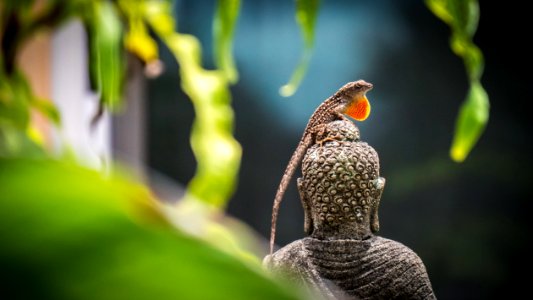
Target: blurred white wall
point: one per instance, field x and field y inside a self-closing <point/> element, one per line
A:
<point x="76" y="102"/>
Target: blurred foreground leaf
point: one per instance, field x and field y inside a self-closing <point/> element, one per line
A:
<point x="217" y="153"/>
<point x="15" y="100"/>
<point x="48" y="109"/>
<point x="68" y="233"/>
<point x="223" y="30"/>
<point x="306" y="15"/>
<point x="105" y="47"/>
<point x="462" y="16"/>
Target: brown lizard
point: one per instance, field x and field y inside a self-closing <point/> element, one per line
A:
<point x="349" y="99"/>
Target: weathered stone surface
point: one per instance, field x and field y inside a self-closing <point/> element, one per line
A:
<point x="375" y="268"/>
<point x="340" y="191"/>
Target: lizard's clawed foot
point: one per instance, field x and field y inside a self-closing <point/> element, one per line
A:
<point x="342" y="117"/>
<point x="328" y="139"/>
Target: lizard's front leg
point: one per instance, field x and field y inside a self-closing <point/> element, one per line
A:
<point x="317" y="132"/>
<point x="332" y="135"/>
<point x="342" y="117"/>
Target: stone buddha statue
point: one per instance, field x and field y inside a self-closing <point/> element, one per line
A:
<point x="342" y="258"/>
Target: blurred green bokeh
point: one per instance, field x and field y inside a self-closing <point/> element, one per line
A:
<point x="70" y="233"/>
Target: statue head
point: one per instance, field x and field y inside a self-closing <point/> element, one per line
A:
<point x="340" y="188"/>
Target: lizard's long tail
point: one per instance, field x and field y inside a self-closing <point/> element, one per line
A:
<point x="285" y="180"/>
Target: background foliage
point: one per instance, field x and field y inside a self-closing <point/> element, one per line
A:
<point x="463" y="18"/>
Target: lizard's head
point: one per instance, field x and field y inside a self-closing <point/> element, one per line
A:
<point x="353" y="99"/>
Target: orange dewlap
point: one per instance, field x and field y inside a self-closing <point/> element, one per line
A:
<point x="360" y="109"/>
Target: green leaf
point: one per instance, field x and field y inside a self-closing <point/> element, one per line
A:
<point x="21" y="8"/>
<point x="139" y="42"/>
<point x="158" y="14"/>
<point x="137" y="39"/>
<point x="15" y="143"/>
<point x="48" y="109"/>
<point x="472" y="56"/>
<point x="306" y="15"/>
<point x="70" y="233"/>
<point x="297" y="76"/>
<point x="217" y="152"/>
<point x="463" y="16"/>
<point x="105" y="46"/>
<point x="223" y="31"/>
<point x="15" y="100"/>
<point x="471" y="122"/>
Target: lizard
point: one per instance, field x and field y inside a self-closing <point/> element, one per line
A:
<point x="350" y="99"/>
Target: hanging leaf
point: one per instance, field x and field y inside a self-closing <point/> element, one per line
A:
<point x="137" y="40"/>
<point x="471" y="122"/>
<point x="223" y="31"/>
<point x="158" y="14"/>
<point x="472" y="56"/>
<point x="297" y="76"/>
<point x="215" y="149"/>
<point x="306" y="15"/>
<point x="105" y="46"/>
<point x="463" y="16"/>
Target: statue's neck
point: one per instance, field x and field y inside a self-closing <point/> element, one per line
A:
<point x="346" y="231"/>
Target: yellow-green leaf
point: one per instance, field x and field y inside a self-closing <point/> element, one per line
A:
<point x="48" y="109"/>
<point x="15" y="100"/>
<point x="297" y="76"/>
<point x="306" y="15"/>
<point x="158" y="14"/>
<point x="462" y="16"/>
<point x="223" y="31"/>
<point x="137" y="40"/>
<point x="105" y="46"/>
<point x="215" y="149"/>
<point x="472" y="56"/>
<point x="471" y="122"/>
<point x="140" y="43"/>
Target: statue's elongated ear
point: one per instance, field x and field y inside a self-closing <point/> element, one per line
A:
<point x="379" y="184"/>
<point x="308" y="220"/>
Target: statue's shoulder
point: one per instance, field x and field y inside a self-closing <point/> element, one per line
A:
<point x="405" y="270"/>
<point x="399" y="253"/>
<point x="289" y="256"/>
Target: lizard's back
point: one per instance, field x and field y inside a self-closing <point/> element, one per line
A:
<point x="325" y="113"/>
